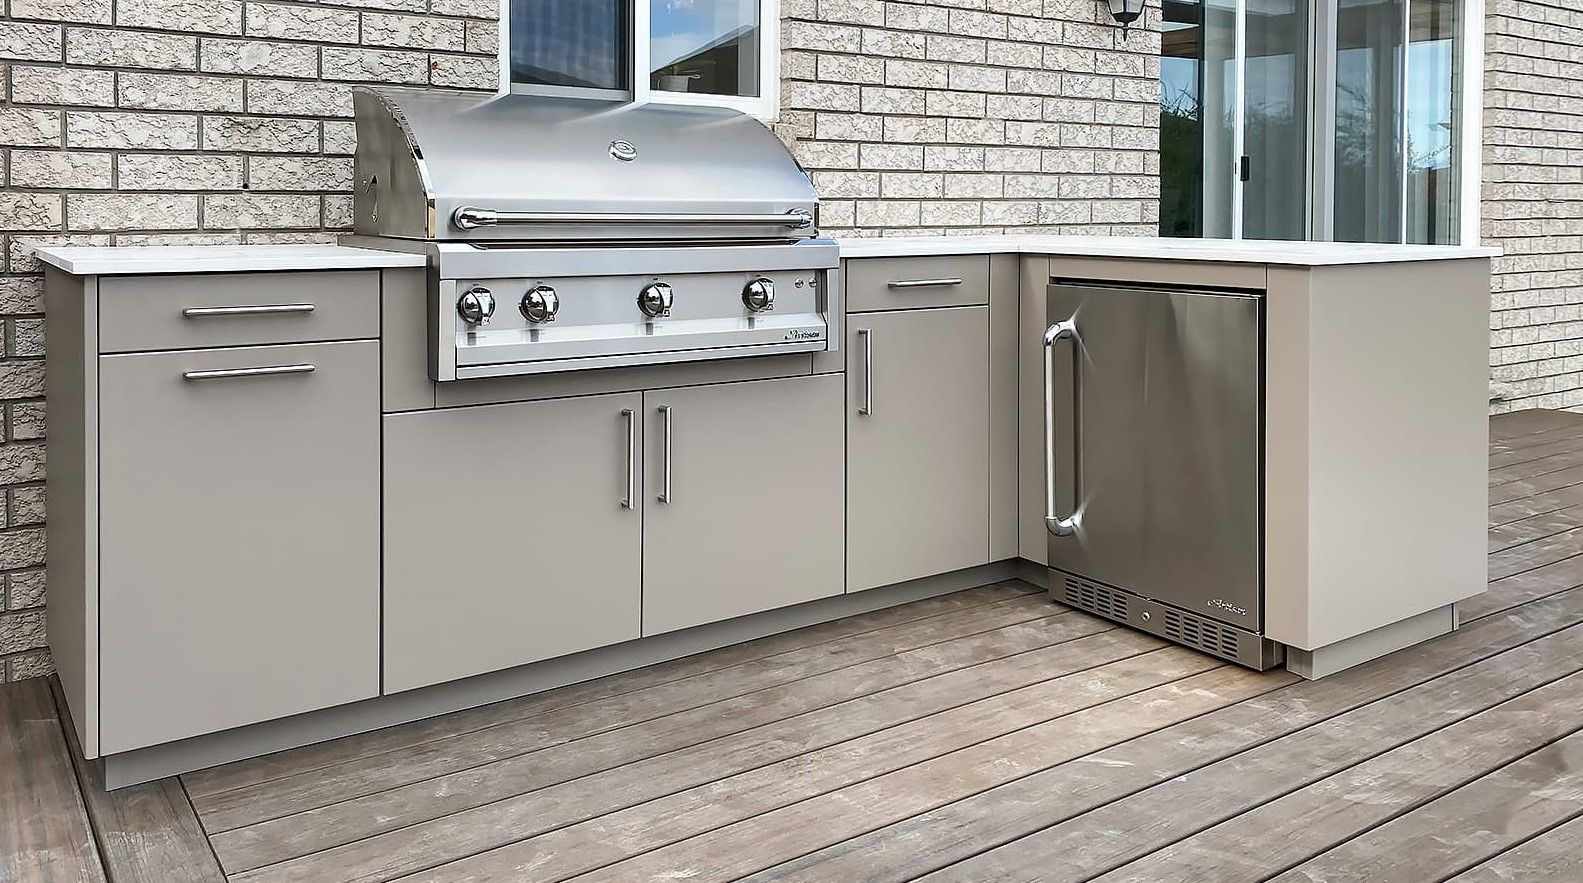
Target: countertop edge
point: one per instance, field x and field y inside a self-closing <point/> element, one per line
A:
<point x="158" y="260"/>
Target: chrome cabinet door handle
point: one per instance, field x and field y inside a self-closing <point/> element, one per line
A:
<point x="867" y="408"/>
<point x="665" y="453"/>
<point x="631" y="499"/>
<point x="234" y="373"/>
<point x="260" y="310"/>
<point x="924" y="283"/>
<point x="1057" y="524"/>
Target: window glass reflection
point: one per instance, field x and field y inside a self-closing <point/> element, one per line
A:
<point x="706" y="46"/>
<point x="579" y="43"/>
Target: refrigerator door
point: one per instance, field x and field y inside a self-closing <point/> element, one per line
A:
<point x="1155" y="403"/>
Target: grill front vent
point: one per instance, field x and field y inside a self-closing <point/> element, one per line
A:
<point x="1202" y="634"/>
<point x="1106" y="602"/>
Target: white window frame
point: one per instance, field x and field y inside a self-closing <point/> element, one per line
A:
<point x="765" y="105"/>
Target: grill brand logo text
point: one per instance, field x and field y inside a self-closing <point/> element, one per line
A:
<point x="800" y="334"/>
<point x="1223" y="604"/>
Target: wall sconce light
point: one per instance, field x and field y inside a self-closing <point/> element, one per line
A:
<point x="1125" y="12"/>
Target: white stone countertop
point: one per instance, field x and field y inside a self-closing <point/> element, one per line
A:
<point x="1304" y="254"/>
<point x="125" y="260"/>
<point x="112" y="260"/>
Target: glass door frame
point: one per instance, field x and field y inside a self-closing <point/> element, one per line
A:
<point x="1467" y="106"/>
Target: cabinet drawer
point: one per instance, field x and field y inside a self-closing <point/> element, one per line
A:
<point x="235" y="309"/>
<point x="239" y="537"/>
<point x="904" y="283"/>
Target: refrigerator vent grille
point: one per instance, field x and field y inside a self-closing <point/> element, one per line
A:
<point x="1203" y="634"/>
<point x="1098" y="599"/>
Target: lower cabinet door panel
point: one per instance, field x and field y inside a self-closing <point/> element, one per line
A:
<point x="917" y="444"/>
<point x="239" y="537"/>
<point x="753" y="480"/>
<point x="506" y="537"/>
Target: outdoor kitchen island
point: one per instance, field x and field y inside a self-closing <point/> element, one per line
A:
<point x="270" y="526"/>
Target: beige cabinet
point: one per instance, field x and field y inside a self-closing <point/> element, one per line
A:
<point x="918" y="457"/>
<point x="239" y="536"/>
<point x="512" y="534"/>
<point x="743" y="499"/>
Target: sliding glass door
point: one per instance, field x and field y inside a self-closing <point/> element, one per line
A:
<point x="1323" y="119"/>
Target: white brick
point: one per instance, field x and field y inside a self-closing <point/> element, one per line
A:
<point x="375" y="65"/>
<point x="297" y="22"/>
<point x="103" y="47"/>
<point x="260" y="57"/>
<point x="191" y="16"/>
<point x="86" y="11"/>
<point x="60" y="169"/>
<point x="24" y="41"/>
<point x="256" y="210"/>
<point x="316" y="173"/>
<point x="29" y="127"/>
<point x="260" y="134"/>
<point x="124" y="211"/>
<point x="412" y="31"/>
<point x="180" y="92"/>
<point x="464" y="71"/>
<point x="30" y="211"/>
<point x="135" y="131"/>
<point x="55" y="85"/>
<point x="288" y="98"/>
<point x="340" y="138"/>
<point x="176" y="171"/>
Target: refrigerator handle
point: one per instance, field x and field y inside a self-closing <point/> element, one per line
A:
<point x="1061" y="526"/>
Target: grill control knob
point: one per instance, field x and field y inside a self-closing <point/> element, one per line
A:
<point x="540" y="304"/>
<point x="476" y="305"/>
<point x="655" y="299"/>
<point x="759" y="295"/>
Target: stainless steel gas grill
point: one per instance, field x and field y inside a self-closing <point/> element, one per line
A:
<point x="569" y="233"/>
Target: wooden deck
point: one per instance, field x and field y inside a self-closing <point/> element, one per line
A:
<point x="987" y="735"/>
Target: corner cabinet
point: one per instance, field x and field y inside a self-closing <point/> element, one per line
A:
<point x="512" y="534"/>
<point x="743" y="504"/>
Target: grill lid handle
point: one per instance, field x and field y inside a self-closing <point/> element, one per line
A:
<point x="470" y="218"/>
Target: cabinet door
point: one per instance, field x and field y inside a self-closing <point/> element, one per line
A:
<point x="512" y="534"/>
<point x="917" y="444"/>
<point x="239" y="537"/>
<point x="743" y="504"/>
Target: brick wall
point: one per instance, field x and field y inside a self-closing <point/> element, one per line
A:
<point x="227" y="121"/>
<point x="974" y="116"/>
<point x="1533" y="200"/>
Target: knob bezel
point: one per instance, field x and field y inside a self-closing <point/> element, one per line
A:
<point x="759" y="295"/>
<point x="540" y="304"/>
<point x="476" y="306"/>
<point x="655" y="299"/>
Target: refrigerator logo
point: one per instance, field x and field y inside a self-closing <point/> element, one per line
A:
<point x="1223" y="604"/>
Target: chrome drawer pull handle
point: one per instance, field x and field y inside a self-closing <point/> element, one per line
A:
<point x="924" y="283"/>
<point x="233" y="373"/>
<point x="260" y="310"/>
<point x="631" y="499"/>
<point x="867" y="408"/>
<point x="1061" y="525"/>
<point x="665" y="439"/>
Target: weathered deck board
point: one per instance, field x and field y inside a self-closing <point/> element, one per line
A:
<point x="666" y="705"/>
<point x="1534" y="528"/>
<point x="44" y="832"/>
<point x="1552" y="855"/>
<point x="327" y="754"/>
<point x="145" y="833"/>
<point x="1522" y="588"/>
<point x="1300" y="795"/>
<point x="966" y="828"/>
<point x="611" y="770"/>
<point x="1484" y="818"/>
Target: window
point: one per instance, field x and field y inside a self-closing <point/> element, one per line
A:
<point x="715" y="52"/>
<point x="1320" y="119"/>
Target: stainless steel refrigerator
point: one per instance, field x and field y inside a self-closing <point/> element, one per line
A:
<point x="1153" y="452"/>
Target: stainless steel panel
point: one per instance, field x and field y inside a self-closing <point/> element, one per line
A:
<point x="423" y="155"/>
<point x="1161" y="460"/>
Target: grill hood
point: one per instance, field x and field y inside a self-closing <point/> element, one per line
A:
<point x="447" y="166"/>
